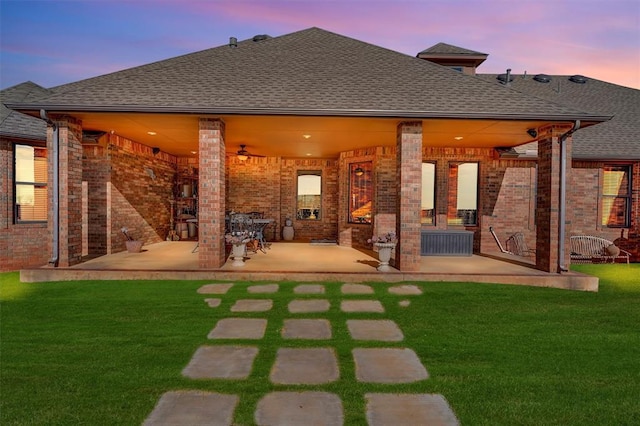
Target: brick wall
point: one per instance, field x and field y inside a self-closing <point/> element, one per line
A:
<point x="508" y="201"/>
<point x="21" y="245"/>
<point x="211" y="193"/>
<point x="326" y="227"/>
<point x="584" y="199"/>
<point x="254" y="186"/>
<point x="139" y="192"/>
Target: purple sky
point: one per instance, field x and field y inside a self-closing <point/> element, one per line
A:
<point x="52" y="42"/>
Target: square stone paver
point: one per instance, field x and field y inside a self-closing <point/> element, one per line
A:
<point x="406" y="289"/>
<point x="252" y="305"/>
<point x="305" y="366"/>
<point x="408" y="409"/>
<point x="213" y="302"/>
<point x="263" y="288"/>
<point x="221" y="362"/>
<point x="356" y="289"/>
<point x="316" y="329"/>
<point x="303" y="306"/>
<point x="381" y="330"/>
<point x="309" y="289"/>
<point x="388" y="365"/>
<point x="239" y="328"/>
<point x="193" y="408"/>
<point x="221" y="288"/>
<point x="299" y="408"/>
<point x="361" y="306"/>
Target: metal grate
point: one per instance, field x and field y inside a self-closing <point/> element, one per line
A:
<point x="446" y="243"/>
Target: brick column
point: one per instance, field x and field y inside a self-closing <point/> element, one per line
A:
<point x="211" y="192"/>
<point x="70" y="189"/>
<point x="409" y="181"/>
<point x="548" y="199"/>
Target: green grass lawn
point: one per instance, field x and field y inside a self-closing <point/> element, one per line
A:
<point x="102" y="353"/>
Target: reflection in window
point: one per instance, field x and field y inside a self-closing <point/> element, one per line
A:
<point x="30" y="184"/>
<point x="427" y="209"/>
<point x="360" y="192"/>
<point x="309" y="194"/>
<point x="616" y="197"/>
<point x="463" y="194"/>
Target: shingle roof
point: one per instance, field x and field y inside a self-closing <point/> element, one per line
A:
<point x="616" y="139"/>
<point x="449" y="49"/>
<point x="310" y="72"/>
<point x="18" y="125"/>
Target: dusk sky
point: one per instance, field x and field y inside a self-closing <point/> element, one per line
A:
<point x="52" y="42"/>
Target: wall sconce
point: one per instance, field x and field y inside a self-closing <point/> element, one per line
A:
<point x="532" y="132"/>
<point x="155" y="150"/>
<point x="358" y="171"/>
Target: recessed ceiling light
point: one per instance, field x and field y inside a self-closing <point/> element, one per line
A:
<point x="306" y="136"/>
<point x="308" y="154"/>
<point x="152" y="133"/>
<point x="458" y="138"/>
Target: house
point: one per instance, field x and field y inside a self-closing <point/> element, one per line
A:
<point x="343" y="138"/>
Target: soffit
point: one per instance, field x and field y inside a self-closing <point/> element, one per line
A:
<point x="283" y="136"/>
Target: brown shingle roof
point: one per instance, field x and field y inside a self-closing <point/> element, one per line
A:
<point x="310" y="72"/>
<point x="616" y="139"/>
<point x="449" y="49"/>
<point x="16" y="125"/>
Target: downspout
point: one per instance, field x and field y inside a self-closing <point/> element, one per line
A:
<point x="56" y="189"/>
<point x="563" y="195"/>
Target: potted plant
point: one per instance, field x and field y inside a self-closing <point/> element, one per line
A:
<point x="238" y="241"/>
<point x="385" y="244"/>
<point x="133" y="246"/>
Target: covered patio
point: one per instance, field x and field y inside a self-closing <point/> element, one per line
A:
<point x="303" y="261"/>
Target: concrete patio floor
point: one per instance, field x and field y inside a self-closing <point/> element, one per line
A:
<point x="303" y="261"/>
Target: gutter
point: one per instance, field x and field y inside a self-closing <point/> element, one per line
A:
<point x="563" y="195"/>
<point x="319" y="112"/>
<point x="56" y="189"/>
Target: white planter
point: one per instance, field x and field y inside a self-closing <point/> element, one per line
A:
<point x="384" y="255"/>
<point x="237" y="252"/>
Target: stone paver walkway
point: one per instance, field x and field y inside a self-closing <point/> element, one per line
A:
<point x="305" y="366"/>
<point x="193" y="408"/>
<point x="313" y="329"/>
<point x="308" y="366"/>
<point x="299" y="408"/>
<point x="239" y="328"/>
<point x="221" y="362"/>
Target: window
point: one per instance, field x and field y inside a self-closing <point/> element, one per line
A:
<point x="616" y="197"/>
<point x="463" y="194"/>
<point x="427" y="209"/>
<point x="30" y="184"/>
<point x="309" y="194"/>
<point x="360" y="192"/>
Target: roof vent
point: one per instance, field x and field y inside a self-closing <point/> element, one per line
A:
<point x="505" y="78"/>
<point x="260" y="37"/>
<point x="542" y="78"/>
<point x="580" y="79"/>
<point x="233" y="42"/>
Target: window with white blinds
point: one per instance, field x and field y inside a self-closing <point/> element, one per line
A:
<point x="30" y="202"/>
<point x="616" y="197"/>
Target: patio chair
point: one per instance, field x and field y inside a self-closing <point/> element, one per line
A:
<point x="592" y="249"/>
<point x="517" y="245"/>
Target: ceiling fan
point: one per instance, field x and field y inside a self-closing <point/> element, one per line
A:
<point x="243" y="154"/>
